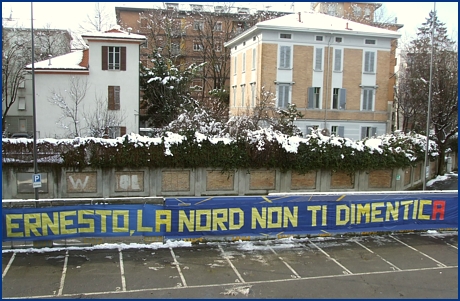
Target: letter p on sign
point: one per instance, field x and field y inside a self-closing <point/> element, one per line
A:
<point x="37" y="180"/>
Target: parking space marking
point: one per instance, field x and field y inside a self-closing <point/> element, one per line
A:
<point x="287" y="264"/>
<point x="233" y="284"/>
<point x="64" y="272"/>
<point x="439" y="263"/>
<point x="333" y="259"/>
<point x="8" y="265"/>
<point x="455" y="247"/>
<point x="366" y="248"/>
<point x="176" y="263"/>
<point x="231" y="264"/>
<point x="122" y="271"/>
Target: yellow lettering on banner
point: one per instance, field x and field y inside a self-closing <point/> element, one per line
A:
<point x="85" y="221"/>
<point x="288" y="216"/>
<point x="30" y="226"/>
<point x="313" y="210"/>
<point x="376" y="212"/>
<point x="141" y="228"/>
<point x="10" y="226"/>
<point x="353" y="214"/>
<point x="188" y="222"/>
<point x="218" y="221"/>
<point x="406" y="208"/>
<point x="324" y="221"/>
<point x="125" y="215"/>
<point x="163" y="217"/>
<point x="363" y="210"/>
<point x="103" y="214"/>
<point x="414" y="212"/>
<point x="64" y="222"/>
<point x="392" y="210"/>
<point x="270" y="223"/>
<point x="232" y="212"/>
<point x="257" y="218"/>
<point x="207" y="225"/>
<point x="420" y="209"/>
<point x="47" y="223"/>
<point x="339" y="209"/>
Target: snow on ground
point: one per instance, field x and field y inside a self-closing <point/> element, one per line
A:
<point x="441" y="178"/>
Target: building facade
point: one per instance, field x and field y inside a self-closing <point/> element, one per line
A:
<point x="87" y="90"/>
<point x="336" y="71"/>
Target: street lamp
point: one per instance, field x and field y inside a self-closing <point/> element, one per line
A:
<point x="33" y="102"/>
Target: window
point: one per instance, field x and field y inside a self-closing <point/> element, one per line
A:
<point x="337" y="131"/>
<point x="367" y="132"/>
<point x="285" y="36"/>
<point x="244" y="63"/>
<point x="116" y="131"/>
<point x="367" y="12"/>
<point x="319" y="59"/>
<point x="338" y="60"/>
<point x="357" y="11"/>
<point x="218" y="26"/>
<point x="113" y="58"/>
<point x="172" y="6"/>
<point x="253" y="94"/>
<point x="22" y="83"/>
<point x="314" y="96"/>
<point x="285" y="56"/>
<point x="235" y="65"/>
<point x="311" y="128"/>
<point x="369" y="61"/>
<point x="339" y="97"/>
<point x="369" y="42"/>
<point x="197" y="46"/>
<point x="21" y="103"/>
<point x="319" y="38"/>
<point x="218" y="46"/>
<point x="253" y="59"/>
<point x="22" y="126"/>
<point x="198" y="25"/>
<point x="196" y="7"/>
<point x="144" y="22"/>
<point x="114" y="98"/>
<point x="218" y="9"/>
<point x="217" y="67"/>
<point x="175" y="48"/>
<point x="242" y="94"/>
<point x="283" y="96"/>
<point x="368" y="99"/>
<point x="331" y="10"/>
<point x="338" y="39"/>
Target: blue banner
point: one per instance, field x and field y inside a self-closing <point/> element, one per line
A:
<point x="237" y="216"/>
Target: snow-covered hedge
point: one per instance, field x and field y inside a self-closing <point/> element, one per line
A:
<point x="263" y="148"/>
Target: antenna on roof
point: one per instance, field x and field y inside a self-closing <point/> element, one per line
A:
<point x="292" y="6"/>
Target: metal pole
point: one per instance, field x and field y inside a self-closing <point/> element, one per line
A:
<point x="33" y="95"/>
<point x="428" y="117"/>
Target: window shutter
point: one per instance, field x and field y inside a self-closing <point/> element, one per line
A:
<point x="105" y="58"/>
<point x="366" y="61"/>
<point x="341" y="131"/>
<point x="286" y="97"/>
<point x="319" y="59"/>
<point x="338" y="60"/>
<point x="123" y="58"/>
<point x="282" y="56"/>
<point x="122" y="130"/>
<point x="365" y="96"/>
<point x="111" y="98"/>
<point x="371" y="61"/>
<point x="342" y="98"/>
<point x="310" y="97"/>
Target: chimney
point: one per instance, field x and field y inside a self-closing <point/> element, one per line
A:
<point x="49" y="59"/>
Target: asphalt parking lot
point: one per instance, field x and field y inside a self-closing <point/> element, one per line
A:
<point x="403" y="265"/>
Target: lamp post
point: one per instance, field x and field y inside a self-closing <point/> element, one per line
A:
<point x="429" y="101"/>
<point x="33" y="99"/>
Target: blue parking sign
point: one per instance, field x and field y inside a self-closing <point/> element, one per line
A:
<point x="37" y="180"/>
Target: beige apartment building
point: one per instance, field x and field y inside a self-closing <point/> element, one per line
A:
<point x="336" y="71"/>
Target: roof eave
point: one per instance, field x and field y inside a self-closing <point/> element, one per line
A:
<point x="233" y="41"/>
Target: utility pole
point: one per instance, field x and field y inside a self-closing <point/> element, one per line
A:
<point x="33" y="99"/>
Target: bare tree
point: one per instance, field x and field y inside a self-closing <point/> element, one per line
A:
<point x="99" y="20"/>
<point x="70" y="103"/>
<point x="100" y="120"/>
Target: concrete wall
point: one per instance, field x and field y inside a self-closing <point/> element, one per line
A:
<point x="145" y="182"/>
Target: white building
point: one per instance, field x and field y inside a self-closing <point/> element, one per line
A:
<point x="101" y="80"/>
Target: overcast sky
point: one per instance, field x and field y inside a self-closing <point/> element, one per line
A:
<point x="69" y="15"/>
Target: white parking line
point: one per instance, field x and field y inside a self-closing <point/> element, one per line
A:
<point x="231" y="264"/>
<point x="176" y="263"/>
<point x="333" y="259"/>
<point x="8" y="266"/>
<point x="64" y="272"/>
<point x="455" y="247"/>
<point x="439" y="263"/>
<point x="378" y="255"/>
<point x="287" y="264"/>
<point x="122" y="271"/>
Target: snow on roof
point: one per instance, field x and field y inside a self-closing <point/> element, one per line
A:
<point x="67" y="61"/>
<point x="113" y="34"/>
